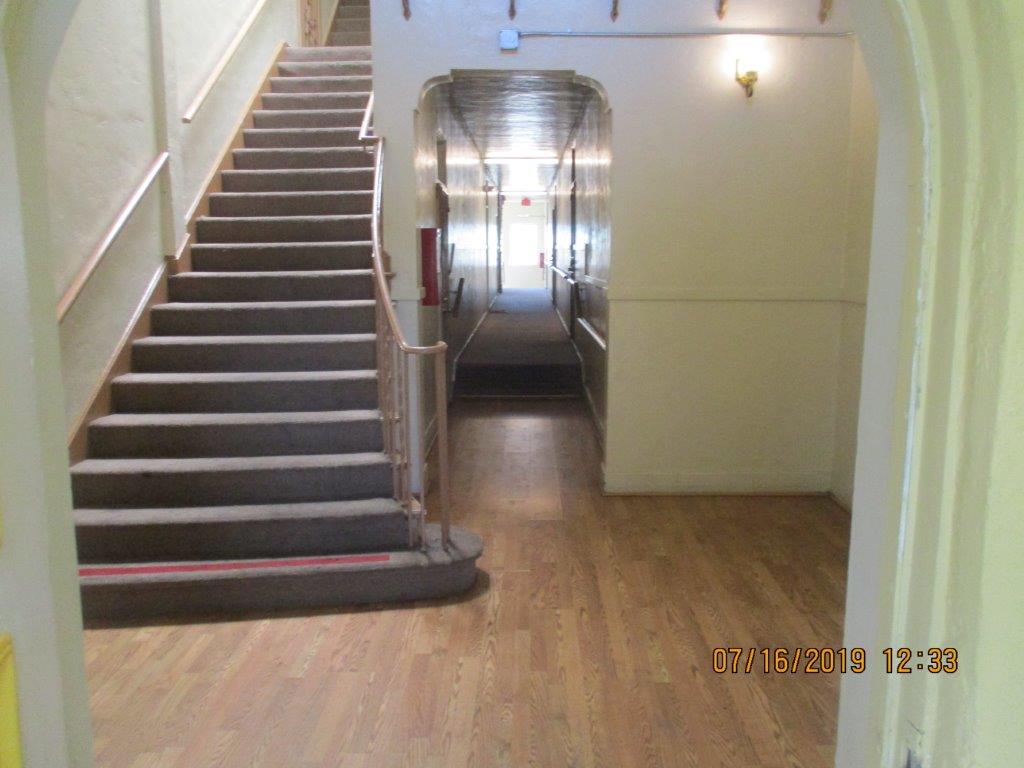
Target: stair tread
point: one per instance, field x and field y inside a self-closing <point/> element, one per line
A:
<point x="227" y="463"/>
<point x="317" y="338"/>
<point x="332" y="78"/>
<point x="260" y="417"/>
<point x="296" y="194"/>
<point x="323" y="49"/>
<point x="306" y="217"/>
<point x="237" y="377"/>
<point x="206" y="306"/>
<point x="304" y="150"/>
<point x="325" y="111"/>
<point x="307" y="171"/>
<point x="323" y="171"/>
<point x="464" y="546"/>
<point x="310" y="274"/>
<point x="236" y="513"/>
<point x="264" y="246"/>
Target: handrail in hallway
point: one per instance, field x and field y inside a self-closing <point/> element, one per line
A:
<point x="394" y="355"/>
<point x="101" y="249"/>
<point x="563" y="274"/>
<point x="222" y="63"/>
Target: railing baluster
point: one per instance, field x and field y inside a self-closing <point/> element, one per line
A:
<point x="398" y="373"/>
<point x="441" y="419"/>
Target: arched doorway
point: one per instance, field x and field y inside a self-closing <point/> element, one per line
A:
<point x="938" y="323"/>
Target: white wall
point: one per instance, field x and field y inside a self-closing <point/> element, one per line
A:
<point x="39" y="603"/>
<point x="728" y="219"/>
<point x="101" y="135"/>
<point x="124" y="76"/>
<point x="860" y="208"/>
<point x="216" y="23"/>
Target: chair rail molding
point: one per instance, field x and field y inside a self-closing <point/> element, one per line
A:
<point x="229" y="53"/>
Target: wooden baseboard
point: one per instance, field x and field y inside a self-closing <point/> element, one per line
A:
<point x="841" y="504"/>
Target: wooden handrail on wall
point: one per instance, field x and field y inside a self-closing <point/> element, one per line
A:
<point x="101" y="249"/>
<point x="222" y="64"/>
<point x="394" y="382"/>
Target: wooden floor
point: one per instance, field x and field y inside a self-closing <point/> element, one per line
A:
<point x="587" y="642"/>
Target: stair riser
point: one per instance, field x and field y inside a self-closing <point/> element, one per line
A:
<point x="358" y="84"/>
<point x="241" y="540"/>
<point x="284" y="159"/>
<point x="328" y="54"/>
<point x="261" y="321"/>
<point x="283" y="230"/>
<point x="269" y="594"/>
<point x="298" y="356"/>
<point x="308" y="119"/>
<point x="291" y="439"/>
<point x="355" y="180"/>
<point x="205" y="288"/>
<point x="349" y="38"/>
<point x="352" y="12"/>
<point x="263" y="486"/>
<point x="353" y="23"/>
<point x="325" y="69"/>
<point x="350" y="204"/>
<point x="257" y="258"/>
<point x="244" y="397"/>
<point x="301" y="139"/>
<point x="306" y="101"/>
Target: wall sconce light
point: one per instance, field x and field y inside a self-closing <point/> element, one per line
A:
<point x="746" y="76"/>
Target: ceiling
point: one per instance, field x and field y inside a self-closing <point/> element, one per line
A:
<point x="527" y="117"/>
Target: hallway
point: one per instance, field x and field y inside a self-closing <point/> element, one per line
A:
<point x="520" y="350"/>
<point x="588" y="645"/>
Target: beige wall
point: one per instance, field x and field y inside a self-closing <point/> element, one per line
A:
<point x="860" y="204"/>
<point x="948" y="111"/>
<point x="124" y="76"/>
<point x="729" y="231"/>
<point x="201" y="141"/>
<point x="39" y="604"/>
<point x="101" y="135"/>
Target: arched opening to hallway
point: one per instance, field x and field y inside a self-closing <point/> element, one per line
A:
<point x="521" y="255"/>
<point x="929" y="38"/>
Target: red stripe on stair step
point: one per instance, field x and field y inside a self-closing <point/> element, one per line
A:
<point x="235" y="565"/>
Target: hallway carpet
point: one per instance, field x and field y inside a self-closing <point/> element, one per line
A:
<point x="589" y="643"/>
<point x="520" y="350"/>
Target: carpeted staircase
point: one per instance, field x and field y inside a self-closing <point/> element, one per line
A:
<point x="242" y="468"/>
<point x="351" y="25"/>
<point x="521" y="349"/>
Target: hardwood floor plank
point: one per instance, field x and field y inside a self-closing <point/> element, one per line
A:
<point x="587" y="641"/>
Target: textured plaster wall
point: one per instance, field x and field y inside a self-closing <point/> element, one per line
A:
<point x="202" y="141"/>
<point x="101" y="134"/>
<point x="123" y="78"/>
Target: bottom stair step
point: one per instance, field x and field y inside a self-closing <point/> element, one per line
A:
<point x="226" y="533"/>
<point x="114" y="592"/>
